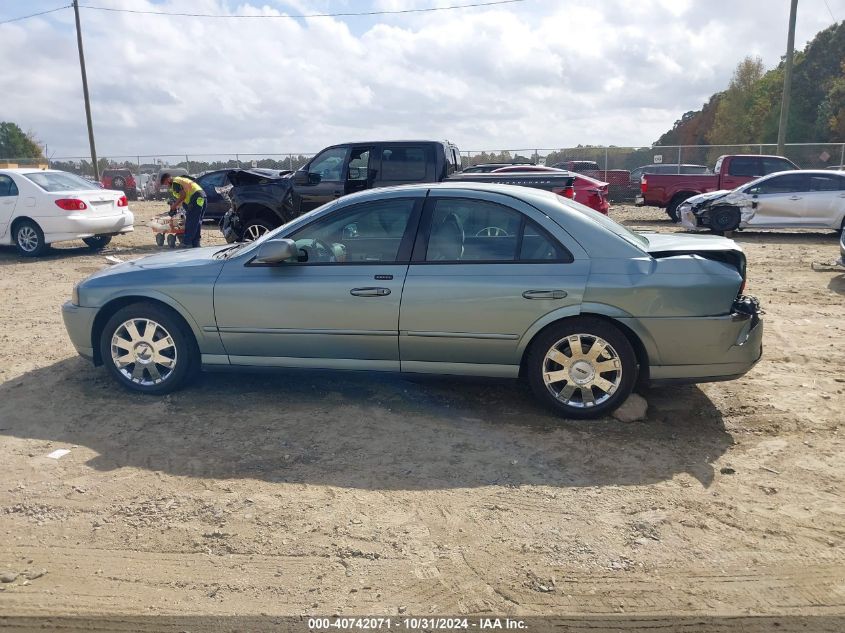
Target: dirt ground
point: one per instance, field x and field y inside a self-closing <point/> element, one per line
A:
<point x="344" y="493"/>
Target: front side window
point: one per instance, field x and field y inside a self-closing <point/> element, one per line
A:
<point x="328" y="165"/>
<point x="359" y="164"/>
<point x="464" y="230"/>
<point x="7" y="187"/>
<point x="367" y="233"/>
<point x="404" y="163"/>
<point x="788" y="183"/>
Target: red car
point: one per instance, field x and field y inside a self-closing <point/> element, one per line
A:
<point x="120" y="180"/>
<point x="588" y="191"/>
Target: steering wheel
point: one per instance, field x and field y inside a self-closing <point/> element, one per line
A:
<point x="492" y="231"/>
<point x="316" y="250"/>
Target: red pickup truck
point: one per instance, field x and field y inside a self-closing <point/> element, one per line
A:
<point x="670" y="190"/>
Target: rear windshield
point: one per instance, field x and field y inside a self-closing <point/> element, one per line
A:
<point x="605" y="222"/>
<point x="59" y="181"/>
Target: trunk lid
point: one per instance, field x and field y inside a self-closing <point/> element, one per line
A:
<point x="713" y="247"/>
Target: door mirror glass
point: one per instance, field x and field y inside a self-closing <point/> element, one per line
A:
<point x="275" y="251"/>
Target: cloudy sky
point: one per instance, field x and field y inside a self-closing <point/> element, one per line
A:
<point x="527" y="74"/>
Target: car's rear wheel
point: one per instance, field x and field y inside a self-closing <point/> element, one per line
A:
<point x="97" y="242"/>
<point x="582" y="368"/>
<point x="255" y="229"/>
<point x="148" y="348"/>
<point x="29" y="239"/>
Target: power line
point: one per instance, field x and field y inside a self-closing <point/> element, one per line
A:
<point x="32" y="15"/>
<point x="311" y="15"/>
<point x="832" y="17"/>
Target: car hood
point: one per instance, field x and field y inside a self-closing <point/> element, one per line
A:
<point x="181" y="259"/>
<point x="710" y="196"/>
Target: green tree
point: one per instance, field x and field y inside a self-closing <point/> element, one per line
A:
<point x="15" y="143"/>
<point x="733" y="122"/>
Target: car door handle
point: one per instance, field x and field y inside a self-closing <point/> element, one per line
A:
<point x="338" y="194"/>
<point x="370" y="292"/>
<point x="794" y="197"/>
<point x="544" y="294"/>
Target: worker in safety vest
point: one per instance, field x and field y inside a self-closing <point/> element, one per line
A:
<point x="189" y="194"/>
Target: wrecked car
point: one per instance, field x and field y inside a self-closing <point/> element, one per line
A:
<point x="456" y="278"/>
<point x="805" y="199"/>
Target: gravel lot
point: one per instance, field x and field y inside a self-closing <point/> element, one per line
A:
<point x="334" y="493"/>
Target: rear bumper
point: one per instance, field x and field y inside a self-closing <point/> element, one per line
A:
<point x="639" y="201"/>
<point x="704" y="349"/>
<point x="79" y="323"/>
<point x="78" y="226"/>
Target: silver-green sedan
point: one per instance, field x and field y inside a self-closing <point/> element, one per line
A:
<point x="462" y="278"/>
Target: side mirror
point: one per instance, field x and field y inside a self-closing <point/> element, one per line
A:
<point x="300" y="177"/>
<point x="275" y="251"/>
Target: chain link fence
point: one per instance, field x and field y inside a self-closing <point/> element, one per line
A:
<point x="613" y="164"/>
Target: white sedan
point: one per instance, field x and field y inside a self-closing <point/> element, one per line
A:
<point x="39" y="207"/>
<point x="800" y="199"/>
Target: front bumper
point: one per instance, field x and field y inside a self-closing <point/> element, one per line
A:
<point x="79" y="323"/>
<point x="688" y="219"/>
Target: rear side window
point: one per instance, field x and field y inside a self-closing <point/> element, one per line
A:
<point x="213" y="180"/>
<point x="7" y="187"/>
<point x="475" y="231"/>
<point x="827" y="183"/>
<point x="745" y="166"/>
<point x="405" y="163"/>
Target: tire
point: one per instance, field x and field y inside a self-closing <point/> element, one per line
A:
<point x="118" y="182"/>
<point x="98" y="242"/>
<point x="159" y="239"/>
<point x="584" y="390"/>
<point x="255" y="228"/>
<point x="672" y="209"/>
<point x="133" y="361"/>
<point x="171" y="240"/>
<point x="724" y="220"/>
<point x="29" y="239"/>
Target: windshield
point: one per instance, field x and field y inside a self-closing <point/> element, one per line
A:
<point x="59" y="181"/>
<point x="605" y="222"/>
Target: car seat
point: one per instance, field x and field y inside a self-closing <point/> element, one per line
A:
<point x="447" y="240"/>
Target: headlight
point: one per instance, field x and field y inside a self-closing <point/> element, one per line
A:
<point x="74" y="296"/>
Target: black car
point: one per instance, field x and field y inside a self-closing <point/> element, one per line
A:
<point x="216" y="203"/>
<point x="263" y="199"/>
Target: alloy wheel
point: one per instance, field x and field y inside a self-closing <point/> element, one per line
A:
<point x="27" y="239"/>
<point x="143" y="351"/>
<point x="582" y="370"/>
<point x="254" y="231"/>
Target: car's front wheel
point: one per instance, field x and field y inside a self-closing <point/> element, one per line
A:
<point x="255" y="229"/>
<point x="97" y="242"/>
<point x="148" y="348"/>
<point x="29" y="239"/>
<point x="582" y="368"/>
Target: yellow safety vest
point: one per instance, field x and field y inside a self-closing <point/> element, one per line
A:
<point x="183" y="189"/>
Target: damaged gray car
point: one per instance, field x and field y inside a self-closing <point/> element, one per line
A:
<point x="802" y="199"/>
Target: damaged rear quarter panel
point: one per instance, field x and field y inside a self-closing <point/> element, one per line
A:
<point x="677" y="286"/>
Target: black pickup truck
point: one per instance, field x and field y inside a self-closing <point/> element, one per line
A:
<point x="263" y="200"/>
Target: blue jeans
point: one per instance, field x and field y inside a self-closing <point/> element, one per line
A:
<point x="194" y="210"/>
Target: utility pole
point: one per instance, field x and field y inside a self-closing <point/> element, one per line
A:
<point x="787" y="78"/>
<point x="85" y="92"/>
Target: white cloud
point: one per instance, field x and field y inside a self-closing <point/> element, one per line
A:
<point x="537" y="74"/>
